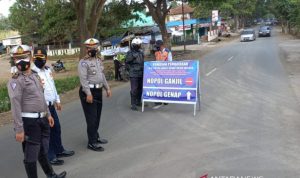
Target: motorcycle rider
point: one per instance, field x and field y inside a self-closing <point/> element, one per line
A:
<point x="135" y="63"/>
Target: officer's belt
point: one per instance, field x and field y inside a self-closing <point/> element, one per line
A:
<point x="35" y="115"/>
<point x="50" y="103"/>
<point x="96" y="85"/>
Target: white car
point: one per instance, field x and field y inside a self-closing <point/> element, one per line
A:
<point x="248" y="35"/>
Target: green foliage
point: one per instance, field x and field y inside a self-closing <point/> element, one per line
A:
<point x="114" y="15"/>
<point x="59" y="22"/>
<point x="4" y="23"/>
<point x="25" y="17"/>
<point x="42" y="21"/>
<point x="4" y="99"/>
<point x="67" y="84"/>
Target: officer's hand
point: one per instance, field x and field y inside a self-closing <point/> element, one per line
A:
<point x="20" y="137"/>
<point x="89" y="98"/>
<point x="51" y="121"/>
<point x="58" y="106"/>
<point x="108" y="93"/>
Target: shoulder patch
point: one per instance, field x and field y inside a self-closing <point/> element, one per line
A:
<point x="13" y="85"/>
<point x="83" y="64"/>
<point x="86" y="57"/>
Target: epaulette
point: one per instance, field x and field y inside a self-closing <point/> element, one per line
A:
<point x="33" y="71"/>
<point x="47" y="67"/>
<point x="98" y="57"/>
<point x="86" y="57"/>
<point x="15" y="75"/>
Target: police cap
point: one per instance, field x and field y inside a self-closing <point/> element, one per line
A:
<point x="21" y="51"/>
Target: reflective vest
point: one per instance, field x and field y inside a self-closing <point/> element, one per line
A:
<point x="162" y="55"/>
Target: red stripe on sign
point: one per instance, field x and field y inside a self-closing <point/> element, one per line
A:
<point x="189" y="81"/>
<point x="204" y="176"/>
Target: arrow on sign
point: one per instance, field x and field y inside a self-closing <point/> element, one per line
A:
<point x="188" y="95"/>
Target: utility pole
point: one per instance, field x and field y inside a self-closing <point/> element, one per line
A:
<point x="182" y="7"/>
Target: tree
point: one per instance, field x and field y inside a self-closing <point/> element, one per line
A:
<point x="112" y="19"/>
<point x="240" y="10"/>
<point x="88" y="14"/>
<point x="4" y="23"/>
<point x="59" y="22"/>
<point x="159" y="10"/>
<point x="25" y="16"/>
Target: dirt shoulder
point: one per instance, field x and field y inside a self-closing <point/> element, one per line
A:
<point x="192" y="52"/>
<point x="290" y="58"/>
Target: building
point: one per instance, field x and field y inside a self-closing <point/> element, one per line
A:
<point x="175" y="14"/>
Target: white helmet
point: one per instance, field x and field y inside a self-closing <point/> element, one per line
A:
<point x="137" y="41"/>
<point x="91" y="43"/>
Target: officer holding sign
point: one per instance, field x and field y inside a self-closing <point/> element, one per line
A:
<point x="32" y="119"/>
<point x="92" y="81"/>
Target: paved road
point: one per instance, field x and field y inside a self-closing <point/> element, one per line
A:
<point x="248" y="126"/>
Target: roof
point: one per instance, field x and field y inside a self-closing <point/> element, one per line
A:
<point x="144" y="20"/>
<point x="12" y="37"/>
<point x="187" y="22"/>
<point x="178" y="10"/>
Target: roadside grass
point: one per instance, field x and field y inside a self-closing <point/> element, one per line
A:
<point x="4" y="99"/>
<point x="62" y="85"/>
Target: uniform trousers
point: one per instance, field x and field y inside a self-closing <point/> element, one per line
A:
<point x="117" y="70"/>
<point x="36" y="144"/>
<point x="136" y="84"/>
<point x="55" y="143"/>
<point x="92" y="113"/>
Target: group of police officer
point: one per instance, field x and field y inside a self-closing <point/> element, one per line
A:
<point x="34" y="101"/>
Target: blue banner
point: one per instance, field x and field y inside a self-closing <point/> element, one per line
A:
<point x="174" y="82"/>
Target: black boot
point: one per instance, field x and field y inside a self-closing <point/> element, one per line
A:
<point x="47" y="168"/>
<point x="31" y="169"/>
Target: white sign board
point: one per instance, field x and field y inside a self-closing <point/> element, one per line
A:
<point x="214" y="16"/>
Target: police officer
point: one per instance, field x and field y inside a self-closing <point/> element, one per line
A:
<point x="56" y="148"/>
<point x="135" y="63"/>
<point x="92" y="81"/>
<point x="32" y="119"/>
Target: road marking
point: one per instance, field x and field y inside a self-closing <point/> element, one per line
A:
<point x="230" y="58"/>
<point x="212" y="71"/>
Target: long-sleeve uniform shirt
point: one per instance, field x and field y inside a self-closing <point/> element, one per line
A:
<point x="91" y="72"/>
<point x="26" y="95"/>
<point x="47" y="80"/>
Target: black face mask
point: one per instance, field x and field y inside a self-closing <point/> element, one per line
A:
<point x="23" y="65"/>
<point x="92" y="52"/>
<point x="136" y="47"/>
<point x="40" y="63"/>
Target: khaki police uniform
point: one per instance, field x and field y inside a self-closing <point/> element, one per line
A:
<point x="30" y="113"/>
<point x="92" y="81"/>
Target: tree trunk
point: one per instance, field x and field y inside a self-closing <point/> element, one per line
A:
<point x="236" y="21"/>
<point x="87" y="30"/>
<point x="165" y="35"/>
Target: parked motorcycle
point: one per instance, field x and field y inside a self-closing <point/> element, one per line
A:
<point x="58" y="66"/>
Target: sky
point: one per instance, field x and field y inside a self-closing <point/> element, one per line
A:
<point x="5" y="5"/>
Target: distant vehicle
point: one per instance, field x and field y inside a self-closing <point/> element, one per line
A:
<point x="248" y="35"/>
<point x="2" y="49"/>
<point x="264" y="31"/>
<point x="268" y="23"/>
<point x="58" y="66"/>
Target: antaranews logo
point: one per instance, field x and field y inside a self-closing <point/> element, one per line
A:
<point x="206" y="176"/>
